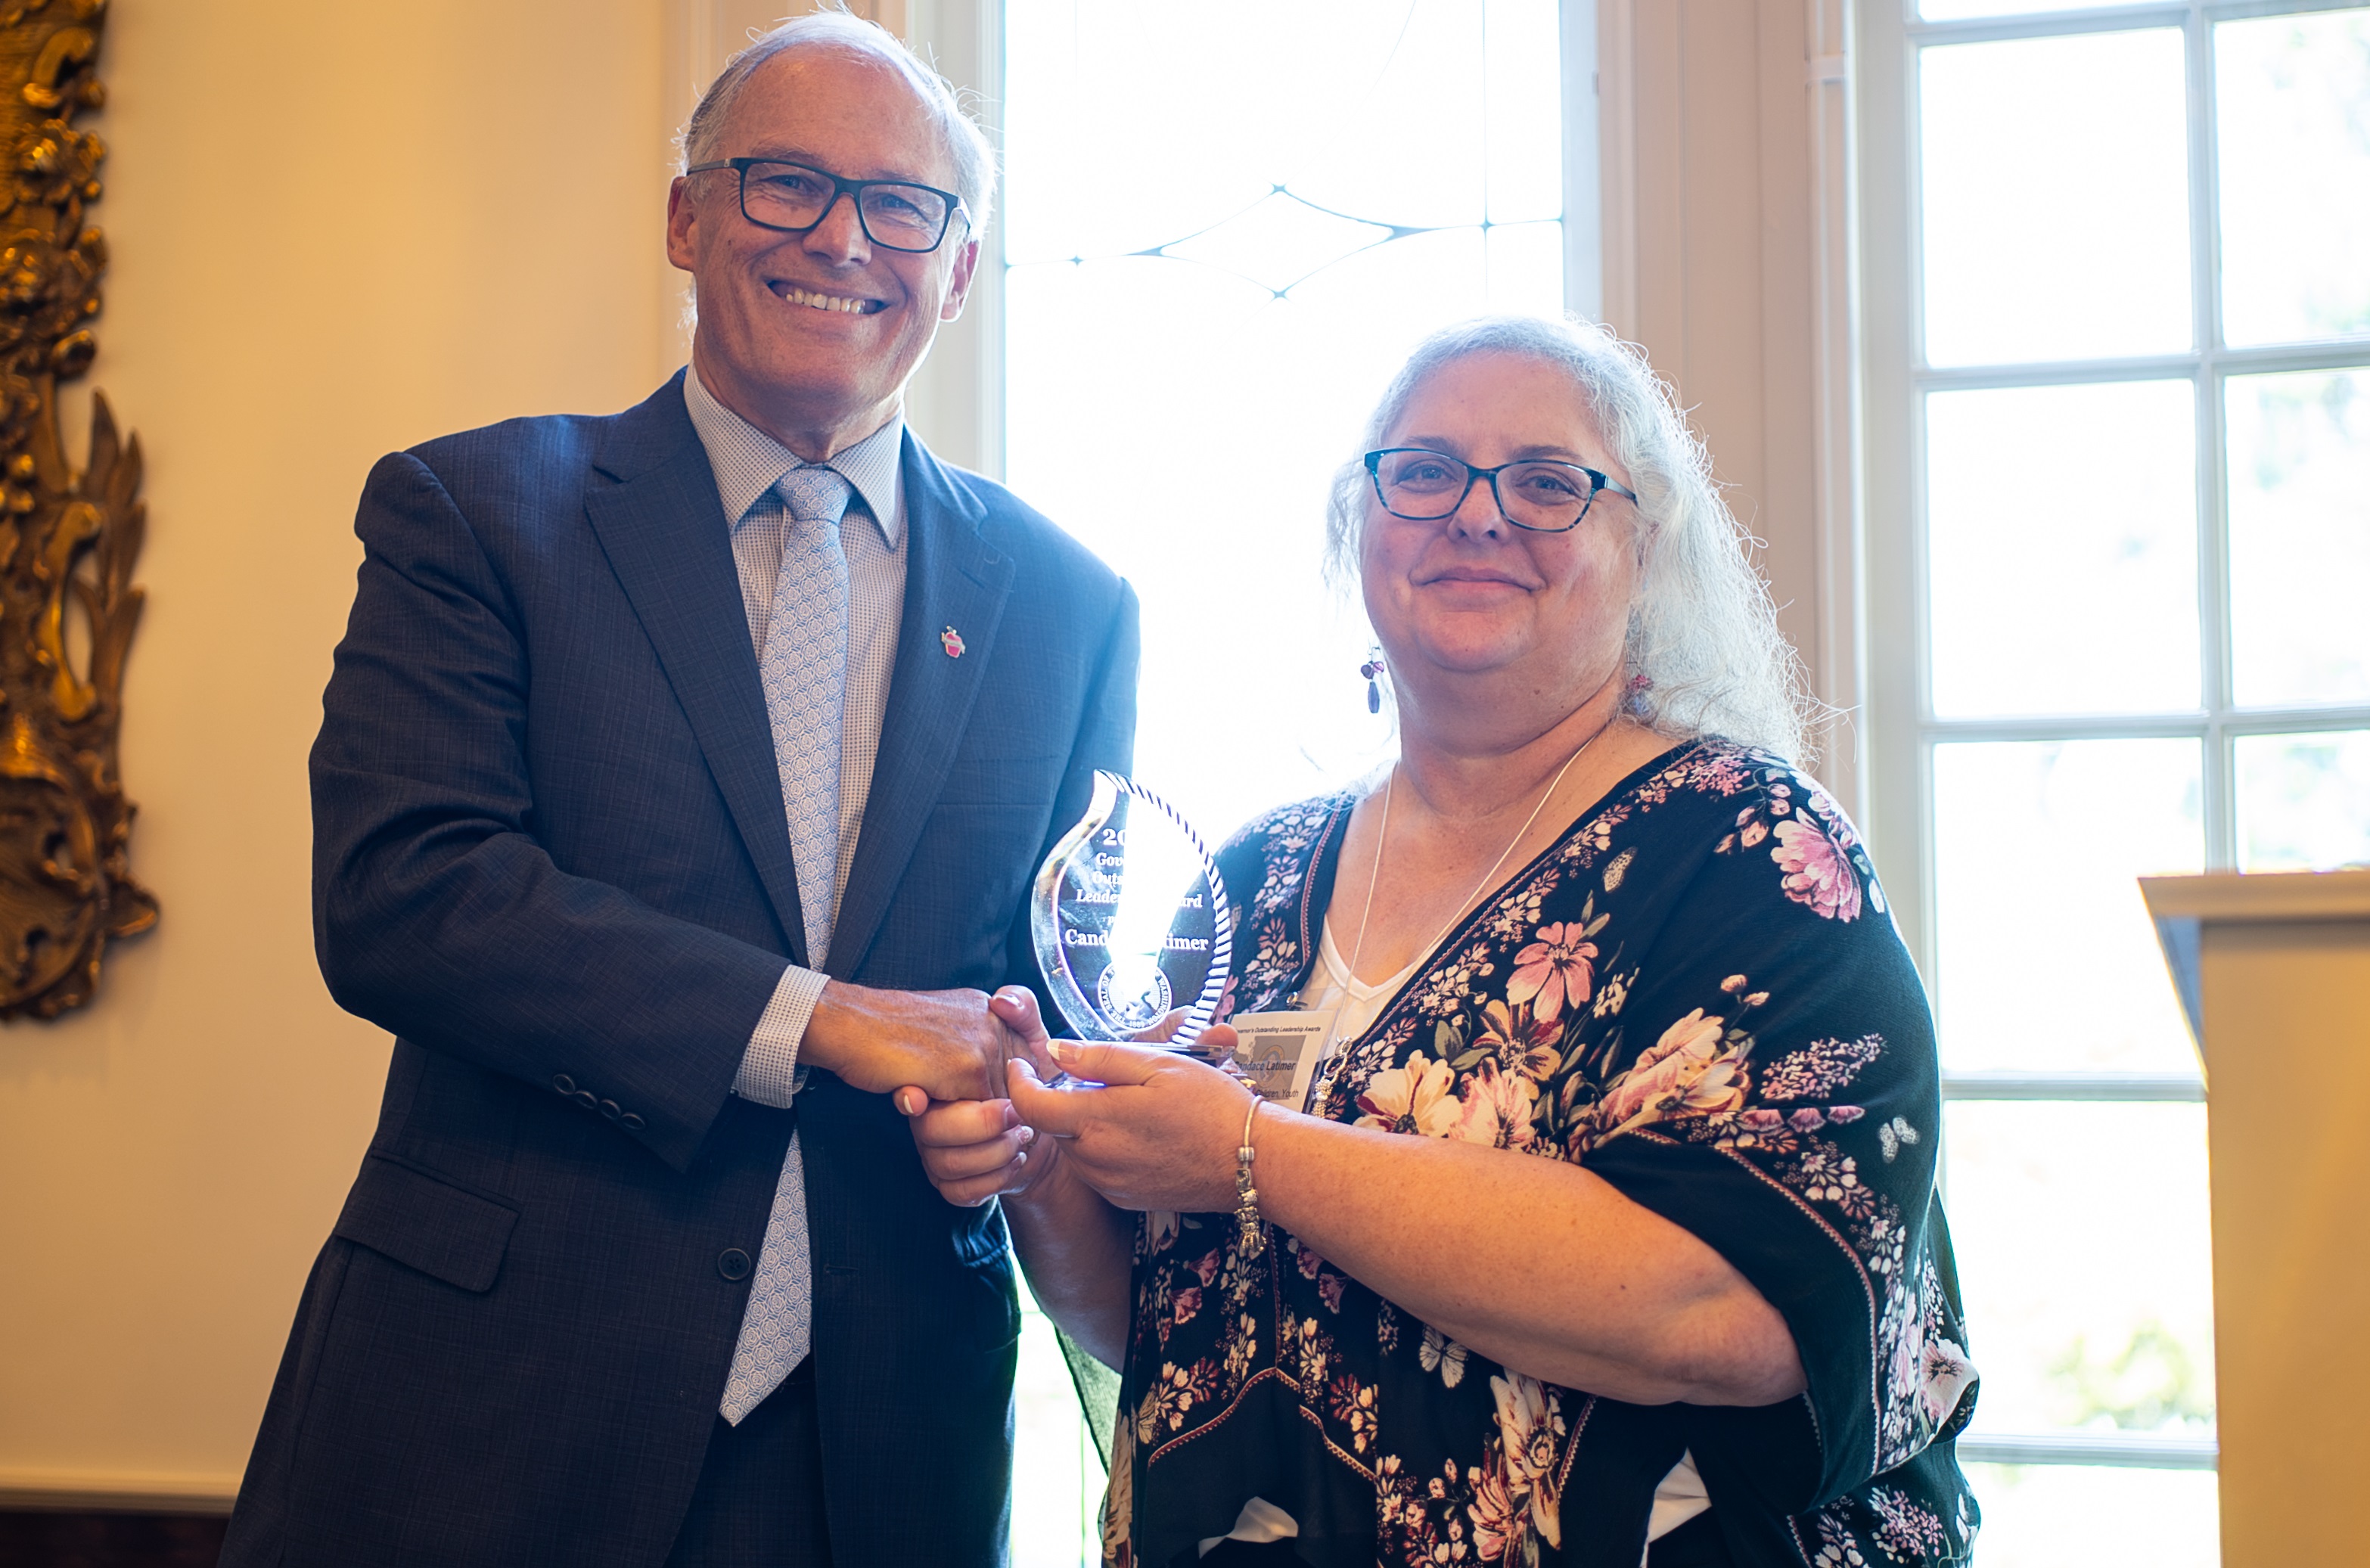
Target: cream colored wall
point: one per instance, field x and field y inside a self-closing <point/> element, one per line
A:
<point x="337" y="230"/>
<point x="1723" y="233"/>
<point x="1719" y="288"/>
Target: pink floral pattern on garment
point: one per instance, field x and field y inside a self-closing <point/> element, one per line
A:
<point x="1816" y="872"/>
<point x="1417" y="1097"/>
<point x="1695" y="1069"/>
<point x="1553" y="971"/>
<point x="1677" y="993"/>
<point x="1814" y="846"/>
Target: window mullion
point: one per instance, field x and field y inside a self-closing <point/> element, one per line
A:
<point x="2051" y="23"/>
<point x="2218" y="807"/>
<point x="1923" y="941"/>
<point x="2069" y="727"/>
<point x="2136" y="1451"/>
<point x="2241" y="10"/>
<point x="2268" y="359"/>
<point x="2109" y="1088"/>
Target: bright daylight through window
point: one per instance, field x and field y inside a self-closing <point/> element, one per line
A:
<point x="2133" y="516"/>
<point x="1202" y="304"/>
<point x="2142" y="512"/>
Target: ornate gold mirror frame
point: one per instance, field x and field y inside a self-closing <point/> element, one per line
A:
<point x="67" y="540"/>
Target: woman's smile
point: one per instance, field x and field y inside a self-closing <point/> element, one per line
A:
<point x="1473" y="577"/>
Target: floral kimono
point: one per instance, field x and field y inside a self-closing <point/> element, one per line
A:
<point x="1697" y="994"/>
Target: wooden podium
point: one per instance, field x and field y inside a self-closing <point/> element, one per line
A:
<point x="2273" y="973"/>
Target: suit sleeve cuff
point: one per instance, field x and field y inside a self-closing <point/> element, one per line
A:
<point x="770" y="1073"/>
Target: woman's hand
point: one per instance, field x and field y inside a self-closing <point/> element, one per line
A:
<point x="976" y="1149"/>
<point x="1149" y="1129"/>
<point x="973" y="1151"/>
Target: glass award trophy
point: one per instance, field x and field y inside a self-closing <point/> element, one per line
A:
<point x="1129" y="918"/>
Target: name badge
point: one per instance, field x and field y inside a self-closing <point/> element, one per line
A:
<point x="1279" y="1051"/>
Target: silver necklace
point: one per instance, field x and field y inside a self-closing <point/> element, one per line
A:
<point x="1374" y="874"/>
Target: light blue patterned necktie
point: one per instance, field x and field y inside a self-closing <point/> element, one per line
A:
<point x="804" y="672"/>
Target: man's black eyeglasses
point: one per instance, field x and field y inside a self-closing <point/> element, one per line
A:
<point x="1538" y="494"/>
<point x="793" y="197"/>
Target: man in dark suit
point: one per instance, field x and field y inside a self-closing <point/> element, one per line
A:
<point x="678" y="792"/>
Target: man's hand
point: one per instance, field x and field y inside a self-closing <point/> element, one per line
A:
<point x="945" y="1042"/>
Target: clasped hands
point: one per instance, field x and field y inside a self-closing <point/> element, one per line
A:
<point x="1146" y="1128"/>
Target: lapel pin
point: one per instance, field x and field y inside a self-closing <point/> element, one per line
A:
<point x="952" y="640"/>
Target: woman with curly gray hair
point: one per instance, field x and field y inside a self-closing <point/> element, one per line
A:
<point x="1703" y="655"/>
<point x="1597" y="1225"/>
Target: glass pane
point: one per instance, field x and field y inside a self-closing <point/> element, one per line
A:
<point x="2062" y="548"/>
<point x="2047" y="959"/>
<point x="2056" y="198"/>
<point x="2075" y="1517"/>
<point x="2304" y="800"/>
<point x="2299" y="473"/>
<point x="2100" y="1319"/>
<point x="1526" y="261"/>
<point x="1058" y="1474"/>
<point x="1099" y="163"/>
<point x="1525" y="108"/>
<point x="2295" y="140"/>
<point x="1266" y="331"/>
<point x="1070" y="127"/>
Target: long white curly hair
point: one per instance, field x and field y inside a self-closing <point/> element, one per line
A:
<point x="1703" y="633"/>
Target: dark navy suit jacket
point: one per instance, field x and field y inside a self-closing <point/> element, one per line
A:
<point x="550" y="856"/>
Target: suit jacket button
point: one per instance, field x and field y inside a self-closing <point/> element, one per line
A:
<point x="733" y="1264"/>
<point x="563" y="1083"/>
<point x="609" y="1109"/>
<point x="585" y="1098"/>
<point x="631" y="1123"/>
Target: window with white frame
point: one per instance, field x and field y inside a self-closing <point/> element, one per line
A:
<point x="2118" y="286"/>
<point x="2115" y="297"/>
<point x="1217" y="248"/>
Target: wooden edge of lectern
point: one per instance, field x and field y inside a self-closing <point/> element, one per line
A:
<point x="2272" y="970"/>
<point x="2181" y="906"/>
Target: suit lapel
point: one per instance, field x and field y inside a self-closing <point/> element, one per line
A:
<point x="953" y="578"/>
<point x="661" y="526"/>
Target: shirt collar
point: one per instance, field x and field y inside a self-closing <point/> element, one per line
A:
<point x="748" y="462"/>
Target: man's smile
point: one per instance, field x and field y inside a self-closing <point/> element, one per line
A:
<point x="814" y="299"/>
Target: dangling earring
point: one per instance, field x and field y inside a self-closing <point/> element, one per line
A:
<point x="1371" y="669"/>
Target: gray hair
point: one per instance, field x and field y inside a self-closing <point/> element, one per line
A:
<point x="967" y="146"/>
<point x="1704" y="654"/>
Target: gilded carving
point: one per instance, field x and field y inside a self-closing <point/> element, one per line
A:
<point x="68" y="540"/>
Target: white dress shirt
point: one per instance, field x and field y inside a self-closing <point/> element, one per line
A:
<point x="748" y="463"/>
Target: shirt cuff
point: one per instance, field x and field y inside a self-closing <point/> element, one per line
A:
<point x="770" y="1073"/>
